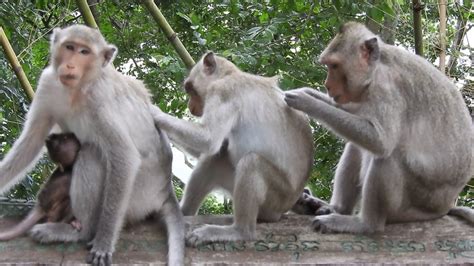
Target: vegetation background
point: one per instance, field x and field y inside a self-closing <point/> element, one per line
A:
<point x="266" y="37"/>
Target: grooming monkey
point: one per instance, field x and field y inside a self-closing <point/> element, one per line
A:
<point x="53" y="203"/>
<point x="123" y="171"/>
<point x="409" y="135"/>
<point x="249" y="142"/>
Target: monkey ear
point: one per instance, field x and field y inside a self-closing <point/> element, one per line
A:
<point x="55" y="35"/>
<point x="109" y="54"/>
<point x="370" y="50"/>
<point x="209" y="62"/>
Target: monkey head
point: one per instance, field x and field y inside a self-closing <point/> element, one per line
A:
<point x="78" y="54"/>
<point x="63" y="148"/>
<point x="350" y="58"/>
<point x="201" y="78"/>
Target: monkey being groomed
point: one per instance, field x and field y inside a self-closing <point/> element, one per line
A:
<point x="248" y="141"/>
<point x="409" y="134"/>
<point x="53" y="202"/>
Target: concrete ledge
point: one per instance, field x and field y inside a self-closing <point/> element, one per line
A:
<point x="448" y="241"/>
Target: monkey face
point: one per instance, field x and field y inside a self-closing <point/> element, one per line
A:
<point x="63" y="148"/>
<point x="75" y="63"/>
<point x="195" y="102"/>
<point x="78" y="55"/>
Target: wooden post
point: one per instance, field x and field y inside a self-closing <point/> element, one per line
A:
<point x="86" y="13"/>
<point x="442" y="35"/>
<point x="417" y="7"/>
<point x="25" y="84"/>
<point x="170" y="34"/>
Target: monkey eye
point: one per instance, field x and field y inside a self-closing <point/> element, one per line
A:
<point x="85" y="51"/>
<point x="70" y="47"/>
<point x="188" y="87"/>
<point x="333" y="66"/>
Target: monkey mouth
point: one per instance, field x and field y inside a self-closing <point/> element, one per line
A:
<point x="68" y="77"/>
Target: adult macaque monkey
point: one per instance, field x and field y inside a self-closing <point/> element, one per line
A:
<point x="123" y="170"/>
<point x="248" y="142"/>
<point x="409" y="134"/>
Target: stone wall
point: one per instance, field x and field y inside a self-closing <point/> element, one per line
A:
<point x="446" y="240"/>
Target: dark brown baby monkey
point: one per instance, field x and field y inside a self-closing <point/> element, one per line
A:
<point x="53" y="203"/>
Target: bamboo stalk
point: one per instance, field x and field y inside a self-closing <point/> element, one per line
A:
<point x="20" y="74"/>
<point x="417" y="7"/>
<point x="86" y="13"/>
<point x="442" y="35"/>
<point x="170" y="34"/>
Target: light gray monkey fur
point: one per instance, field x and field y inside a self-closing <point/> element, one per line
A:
<point x="123" y="171"/>
<point x="409" y="136"/>
<point x="269" y="147"/>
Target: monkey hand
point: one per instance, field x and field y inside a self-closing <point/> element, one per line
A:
<point x="99" y="256"/>
<point x="302" y="99"/>
<point x="159" y="116"/>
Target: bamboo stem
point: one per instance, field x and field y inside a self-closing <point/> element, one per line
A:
<point x="170" y="34"/>
<point x="442" y="35"/>
<point x="417" y="7"/>
<point x="25" y="84"/>
<point x="86" y="13"/>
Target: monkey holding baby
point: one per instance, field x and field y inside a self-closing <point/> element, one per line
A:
<point x="123" y="171"/>
<point x="52" y="202"/>
<point x="409" y="150"/>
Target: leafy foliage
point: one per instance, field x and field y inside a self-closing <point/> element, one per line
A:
<point x="267" y="37"/>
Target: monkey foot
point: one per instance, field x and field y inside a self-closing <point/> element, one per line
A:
<point x="99" y="258"/>
<point x="324" y="210"/>
<point x="215" y="233"/>
<point x="338" y="223"/>
<point x="54" y="232"/>
<point x="76" y="225"/>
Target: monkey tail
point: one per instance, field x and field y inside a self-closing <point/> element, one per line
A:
<point x="33" y="217"/>
<point x="464" y="212"/>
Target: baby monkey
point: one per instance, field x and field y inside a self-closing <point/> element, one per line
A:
<point x="53" y="202"/>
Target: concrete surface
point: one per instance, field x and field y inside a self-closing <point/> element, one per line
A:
<point x="290" y="241"/>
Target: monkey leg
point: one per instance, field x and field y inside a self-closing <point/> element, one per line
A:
<point x="207" y="175"/>
<point x="174" y="222"/>
<point x="86" y="186"/>
<point x="255" y="195"/>
<point x="381" y="195"/>
<point x="346" y="181"/>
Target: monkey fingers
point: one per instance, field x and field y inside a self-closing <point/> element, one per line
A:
<point x="300" y="100"/>
<point x="214" y="233"/>
<point x="76" y="225"/>
<point x="99" y="258"/>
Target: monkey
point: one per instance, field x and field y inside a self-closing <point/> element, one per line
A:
<point x="123" y="171"/>
<point x="409" y="137"/>
<point x="53" y="203"/>
<point x="307" y="204"/>
<point x="247" y="141"/>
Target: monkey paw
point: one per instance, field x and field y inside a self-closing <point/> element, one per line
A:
<point x="325" y="210"/>
<point x="215" y="233"/>
<point x="99" y="258"/>
<point x="300" y="100"/>
<point x="323" y="224"/>
<point x="54" y="232"/>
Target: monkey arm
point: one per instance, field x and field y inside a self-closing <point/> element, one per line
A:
<point x="369" y="134"/>
<point x="26" y="150"/>
<point x="193" y="137"/>
<point x="122" y="164"/>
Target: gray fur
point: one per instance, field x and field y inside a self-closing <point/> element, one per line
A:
<point x="249" y="143"/>
<point x="123" y="171"/>
<point x="409" y="150"/>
